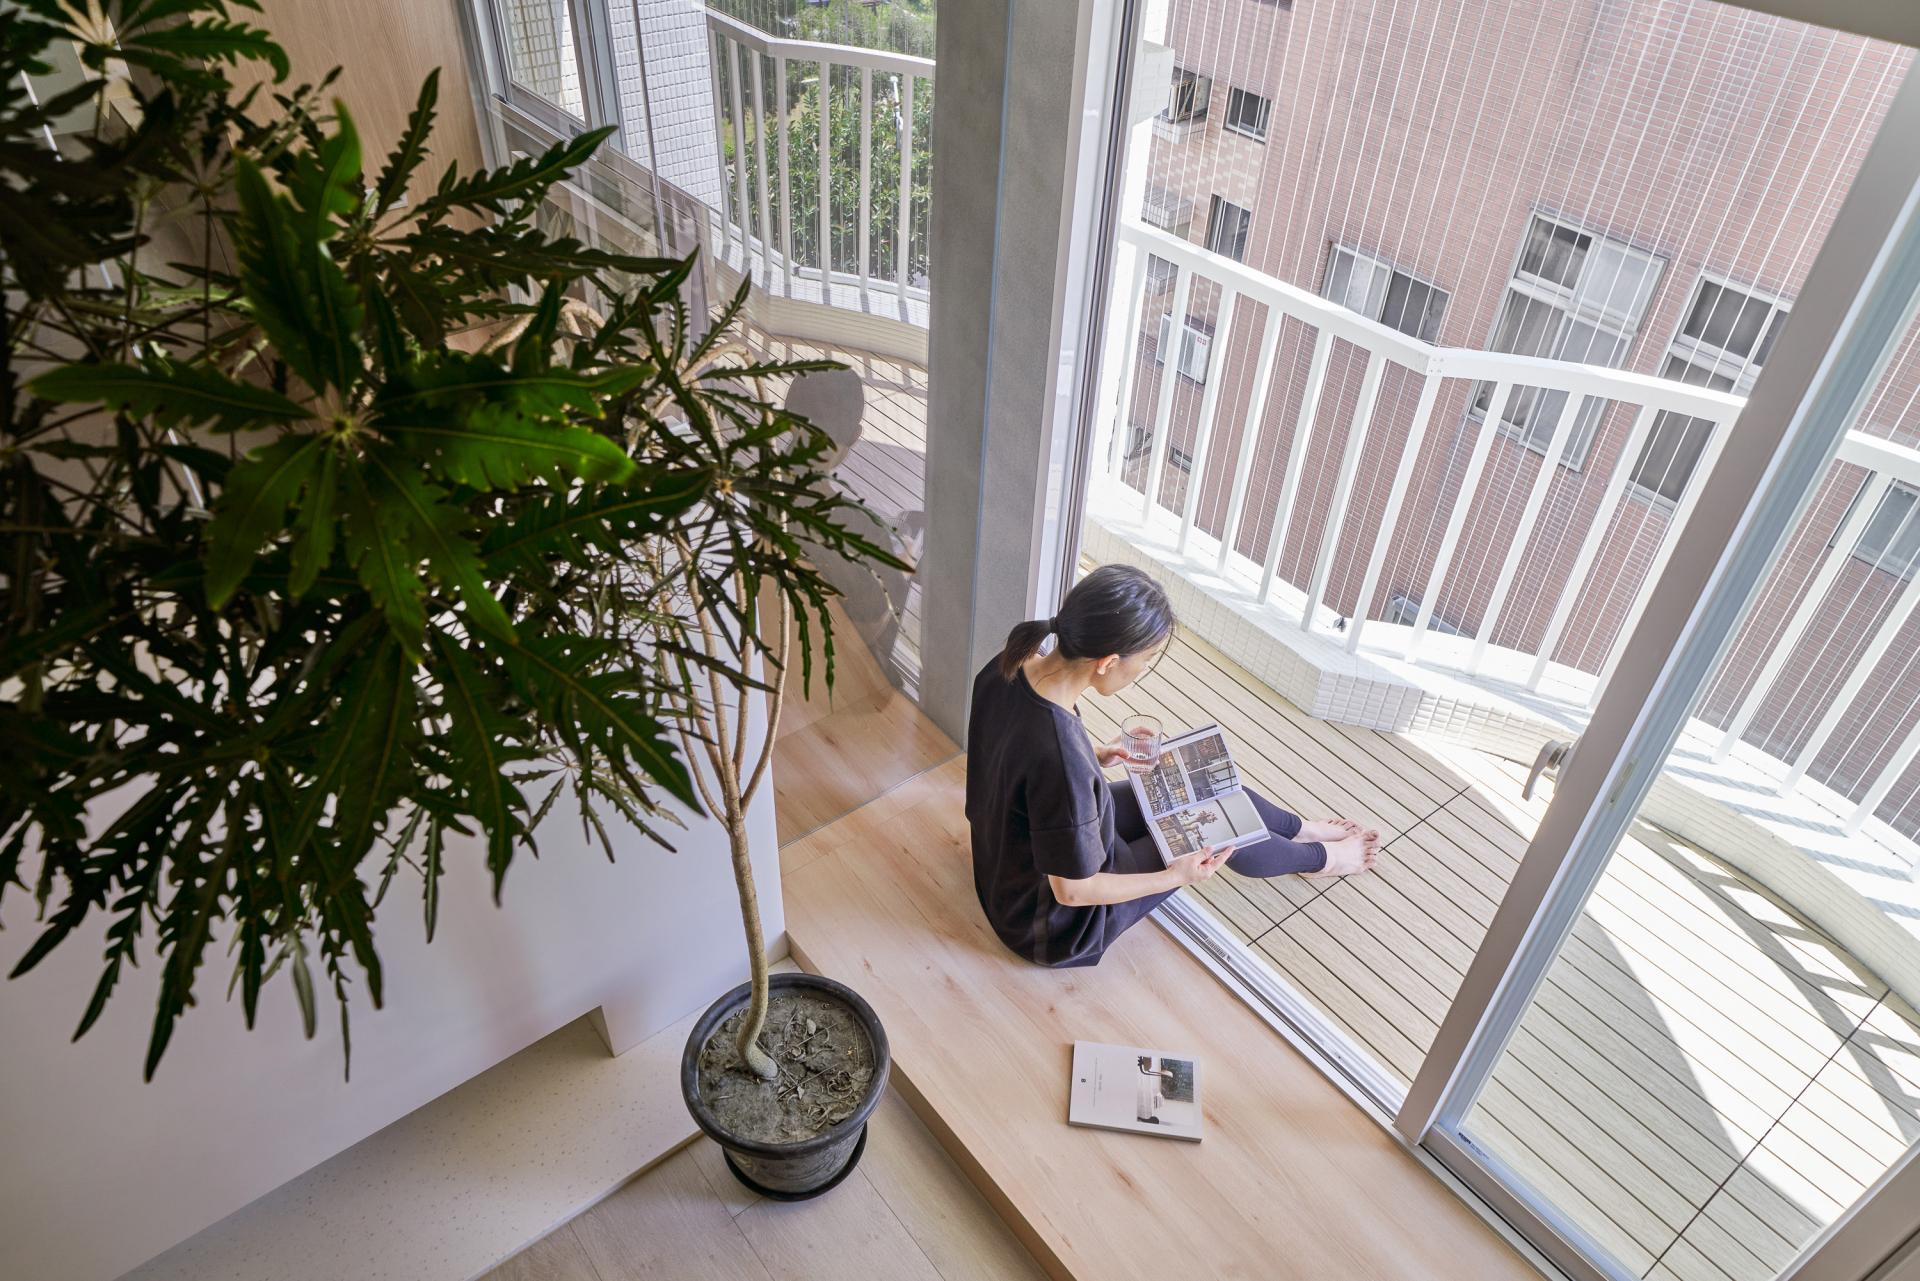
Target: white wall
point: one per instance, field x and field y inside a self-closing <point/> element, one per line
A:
<point x="98" y="1172"/>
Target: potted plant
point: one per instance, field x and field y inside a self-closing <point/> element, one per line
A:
<point x="335" y="524"/>
<point x="783" y="1071"/>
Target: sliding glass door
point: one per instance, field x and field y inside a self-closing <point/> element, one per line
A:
<point x="1447" y="348"/>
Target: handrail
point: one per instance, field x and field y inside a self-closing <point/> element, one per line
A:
<point x="1429" y="358"/>
<point x="818" y="50"/>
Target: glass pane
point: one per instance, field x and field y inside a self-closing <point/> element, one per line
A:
<point x="540" y="51"/>
<point x="754" y="158"/>
<point x="1725" y="1053"/>
<point x="1618" y="281"/>
<point x="1554" y="253"/>
<point x="1392" y="636"/>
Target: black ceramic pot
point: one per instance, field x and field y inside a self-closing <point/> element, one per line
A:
<point x="789" y="1171"/>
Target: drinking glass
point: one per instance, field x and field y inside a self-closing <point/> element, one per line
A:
<point x="1140" y="737"/>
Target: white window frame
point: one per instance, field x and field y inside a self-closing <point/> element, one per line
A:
<point x="1565" y="301"/>
<point x="1362" y="260"/>
<point x="1257" y="133"/>
<point x="1196" y="348"/>
<point x="1698" y="353"/>
<point x="1217" y="205"/>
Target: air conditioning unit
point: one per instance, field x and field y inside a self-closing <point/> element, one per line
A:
<point x="1196" y="348"/>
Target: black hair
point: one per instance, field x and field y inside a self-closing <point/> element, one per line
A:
<point x="1116" y="609"/>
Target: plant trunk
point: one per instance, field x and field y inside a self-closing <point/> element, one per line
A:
<point x="757" y="1060"/>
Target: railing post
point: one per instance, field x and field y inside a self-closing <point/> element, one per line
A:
<point x="1250" y="432"/>
<point x="1903" y="758"/>
<point x="1590" y="545"/>
<point x="1209" y="405"/>
<point x="905" y="231"/>
<point x="864" y="218"/>
<point x="1124" y="361"/>
<point x="1390" y="518"/>
<point x="823" y="171"/>
<point x="1722" y="429"/>
<point x="1850" y="530"/>
<point x="1523" y="533"/>
<point x="1169" y="379"/>
<point x="1343" y="485"/>
<point x="1296" y="459"/>
<point x="786" y="176"/>
<point x="1489" y="427"/>
<point x="760" y="163"/>
<point x="1877" y="647"/>
<point x="716" y="45"/>
<point x="740" y="161"/>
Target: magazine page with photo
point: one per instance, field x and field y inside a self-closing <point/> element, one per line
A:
<point x="1193" y="799"/>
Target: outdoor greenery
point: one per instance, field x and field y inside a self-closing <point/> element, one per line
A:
<point x="322" y="552"/>
<point x="802" y="116"/>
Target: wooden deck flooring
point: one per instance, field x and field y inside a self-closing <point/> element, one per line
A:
<point x="1704" y="1080"/>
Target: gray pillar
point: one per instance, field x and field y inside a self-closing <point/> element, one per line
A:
<point x="1018" y="126"/>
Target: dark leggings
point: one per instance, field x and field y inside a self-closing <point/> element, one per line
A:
<point x="1278" y="855"/>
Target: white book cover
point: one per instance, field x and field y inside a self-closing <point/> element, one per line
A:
<point x="1122" y="1087"/>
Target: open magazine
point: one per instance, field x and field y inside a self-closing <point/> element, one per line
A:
<point x="1192" y="796"/>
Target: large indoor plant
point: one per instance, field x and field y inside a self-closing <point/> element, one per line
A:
<point x="324" y="537"/>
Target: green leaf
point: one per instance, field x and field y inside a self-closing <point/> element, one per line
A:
<point x="253" y="507"/>
<point x="497" y="448"/>
<point x="209" y="40"/>
<point x="173" y="395"/>
<point x="411" y="150"/>
<point x="314" y="525"/>
<point x="480" y="742"/>
<point x="436" y="530"/>
<point x="383" y="557"/>
<point x="595" y="710"/>
<point x="325" y="183"/>
<point x="379" y="759"/>
<point x="295" y="291"/>
<point x="525" y="179"/>
<point x="562" y="523"/>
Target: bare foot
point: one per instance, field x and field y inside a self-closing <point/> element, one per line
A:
<point x="1335" y="829"/>
<point x="1346" y="857"/>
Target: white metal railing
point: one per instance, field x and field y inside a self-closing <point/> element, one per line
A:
<point x="758" y="221"/>
<point x="1884" y="461"/>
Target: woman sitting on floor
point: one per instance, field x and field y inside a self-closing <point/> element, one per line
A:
<point x="1062" y="860"/>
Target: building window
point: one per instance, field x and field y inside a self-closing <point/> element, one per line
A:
<point x="1196" y="348"/>
<point x="1227" y="229"/>
<point x="1247" y="113"/>
<point x="1721" y="344"/>
<point x="1891" y="540"/>
<point x="1188" y="97"/>
<point x="1362" y="283"/>
<point x="1574" y="296"/>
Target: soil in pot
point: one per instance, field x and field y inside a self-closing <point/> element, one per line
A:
<point x="825" y="1060"/>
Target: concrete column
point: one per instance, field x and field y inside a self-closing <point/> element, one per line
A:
<point x="1019" y="139"/>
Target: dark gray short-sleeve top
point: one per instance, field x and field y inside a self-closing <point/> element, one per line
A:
<point x="1038" y="806"/>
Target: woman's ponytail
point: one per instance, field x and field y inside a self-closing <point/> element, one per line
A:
<point x="1116" y="609"/>
<point x="1023" y="642"/>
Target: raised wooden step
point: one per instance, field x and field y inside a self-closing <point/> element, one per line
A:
<point x="1292" y="1179"/>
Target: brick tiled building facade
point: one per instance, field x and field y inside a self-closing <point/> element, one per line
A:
<point x="1638" y="183"/>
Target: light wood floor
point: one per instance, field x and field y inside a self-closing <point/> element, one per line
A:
<point x="905" y="1214"/>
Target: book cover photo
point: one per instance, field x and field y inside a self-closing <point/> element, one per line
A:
<point x="1137" y="1091"/>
